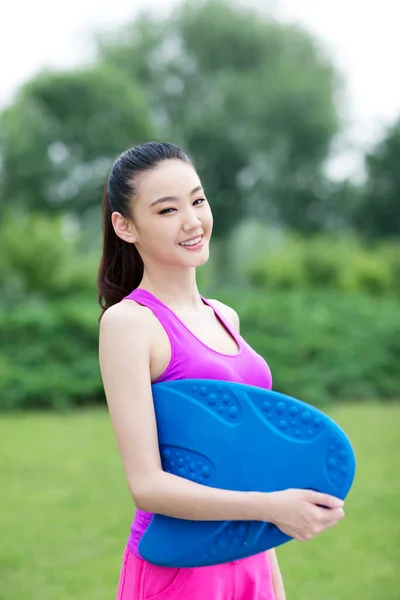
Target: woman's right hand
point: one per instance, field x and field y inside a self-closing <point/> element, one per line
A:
<point x="303" y="514"/>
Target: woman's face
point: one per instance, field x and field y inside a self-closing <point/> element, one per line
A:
<point x="172" y="220"/>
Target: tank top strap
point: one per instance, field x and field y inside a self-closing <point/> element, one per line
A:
<point x="236" y="336"/>
<point x="171" y="324"/>
<point x="175" y="329"/>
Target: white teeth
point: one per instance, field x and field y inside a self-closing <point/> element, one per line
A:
<point x="192" y="242"/>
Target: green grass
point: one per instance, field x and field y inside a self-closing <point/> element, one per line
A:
<point x="66" y="512"/>
<point x="360" y="557"/>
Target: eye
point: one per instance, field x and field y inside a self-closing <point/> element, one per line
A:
<point x="168" y="211"/>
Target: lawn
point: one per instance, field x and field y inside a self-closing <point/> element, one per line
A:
<point x="66" y="512"/>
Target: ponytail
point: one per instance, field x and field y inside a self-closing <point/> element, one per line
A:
<point x="121" y="267"/>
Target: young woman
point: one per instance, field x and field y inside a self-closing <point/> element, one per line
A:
<point x="155" y="327"/>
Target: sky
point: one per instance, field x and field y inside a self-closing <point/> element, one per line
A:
<point x="361" y="38"/>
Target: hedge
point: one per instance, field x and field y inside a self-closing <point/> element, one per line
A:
<point x="320" y="346"/>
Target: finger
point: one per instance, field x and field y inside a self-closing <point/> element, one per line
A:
<point x="331" y="514"/>
<point x="329" y="525"/>
<point x="301" y="538"/>
<point x="324" y="500"/>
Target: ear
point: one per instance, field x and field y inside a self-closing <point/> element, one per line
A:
<point x="123" y="227"/>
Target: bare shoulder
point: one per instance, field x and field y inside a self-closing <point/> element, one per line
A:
<point x="126" y="314"/>
<point x="229" y="313"/>
<point x="126" y="328"/>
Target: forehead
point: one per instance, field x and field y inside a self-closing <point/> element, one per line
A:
<point x="169" y="178"/>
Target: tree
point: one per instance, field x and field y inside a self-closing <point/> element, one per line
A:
<point x="59" y="137"/>
<point x="378" y="212"/>
<point x="253" y="101"/>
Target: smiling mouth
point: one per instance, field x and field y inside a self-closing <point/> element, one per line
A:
<point x="196" y="241"/>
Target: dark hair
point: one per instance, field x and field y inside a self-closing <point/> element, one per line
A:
<point x="121" y="267"/>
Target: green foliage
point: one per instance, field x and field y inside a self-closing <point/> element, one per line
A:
<point x="320" y="346"/>
<point x="340" y="263"/>
<point x="324" y="345"/>
<point x="62" y="133"/>
<point x="50" y="354"/>
<point x="378" y="213"/>
<point x="252" y="100"/>
<point x="47" y="316"/>
<point x="40" y="258"/>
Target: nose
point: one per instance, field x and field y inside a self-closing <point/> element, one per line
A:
<point x="192" y="220"/>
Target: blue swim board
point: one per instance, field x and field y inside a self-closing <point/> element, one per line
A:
<point x="238" y="437"/>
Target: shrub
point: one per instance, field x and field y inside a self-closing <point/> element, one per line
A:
<point x="323" y="262"/>
<point x="324" y="345"/>
<point x="320" y="342"/>
<point x="320" y="346"/>
<point x="50" y="354"/>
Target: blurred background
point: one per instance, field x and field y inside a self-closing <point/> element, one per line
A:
<point x="291" y="113"/>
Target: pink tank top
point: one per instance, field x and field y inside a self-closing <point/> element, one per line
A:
<point x="192" y="359"/>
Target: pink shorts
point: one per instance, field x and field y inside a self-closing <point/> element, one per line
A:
<point x="246" y="579"/>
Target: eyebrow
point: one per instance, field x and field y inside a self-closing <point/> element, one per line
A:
<point x="173" y="198"/>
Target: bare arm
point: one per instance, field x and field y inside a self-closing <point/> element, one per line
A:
<point x="125" y="352"/>
<point x="125" y="340"/>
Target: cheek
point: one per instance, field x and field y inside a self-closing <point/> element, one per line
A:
<point x="209" y="220"/>
<point x="162" y="235"/>
<point x="207" y="216"/>
<point x="153" y="229"/>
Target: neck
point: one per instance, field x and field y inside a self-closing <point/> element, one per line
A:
<point x="176" y="288"/>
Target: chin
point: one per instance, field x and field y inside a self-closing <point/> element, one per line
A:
<point x="203" y="261"/>
<point x="198" y="261"/>
<point x="204" y="256"/>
